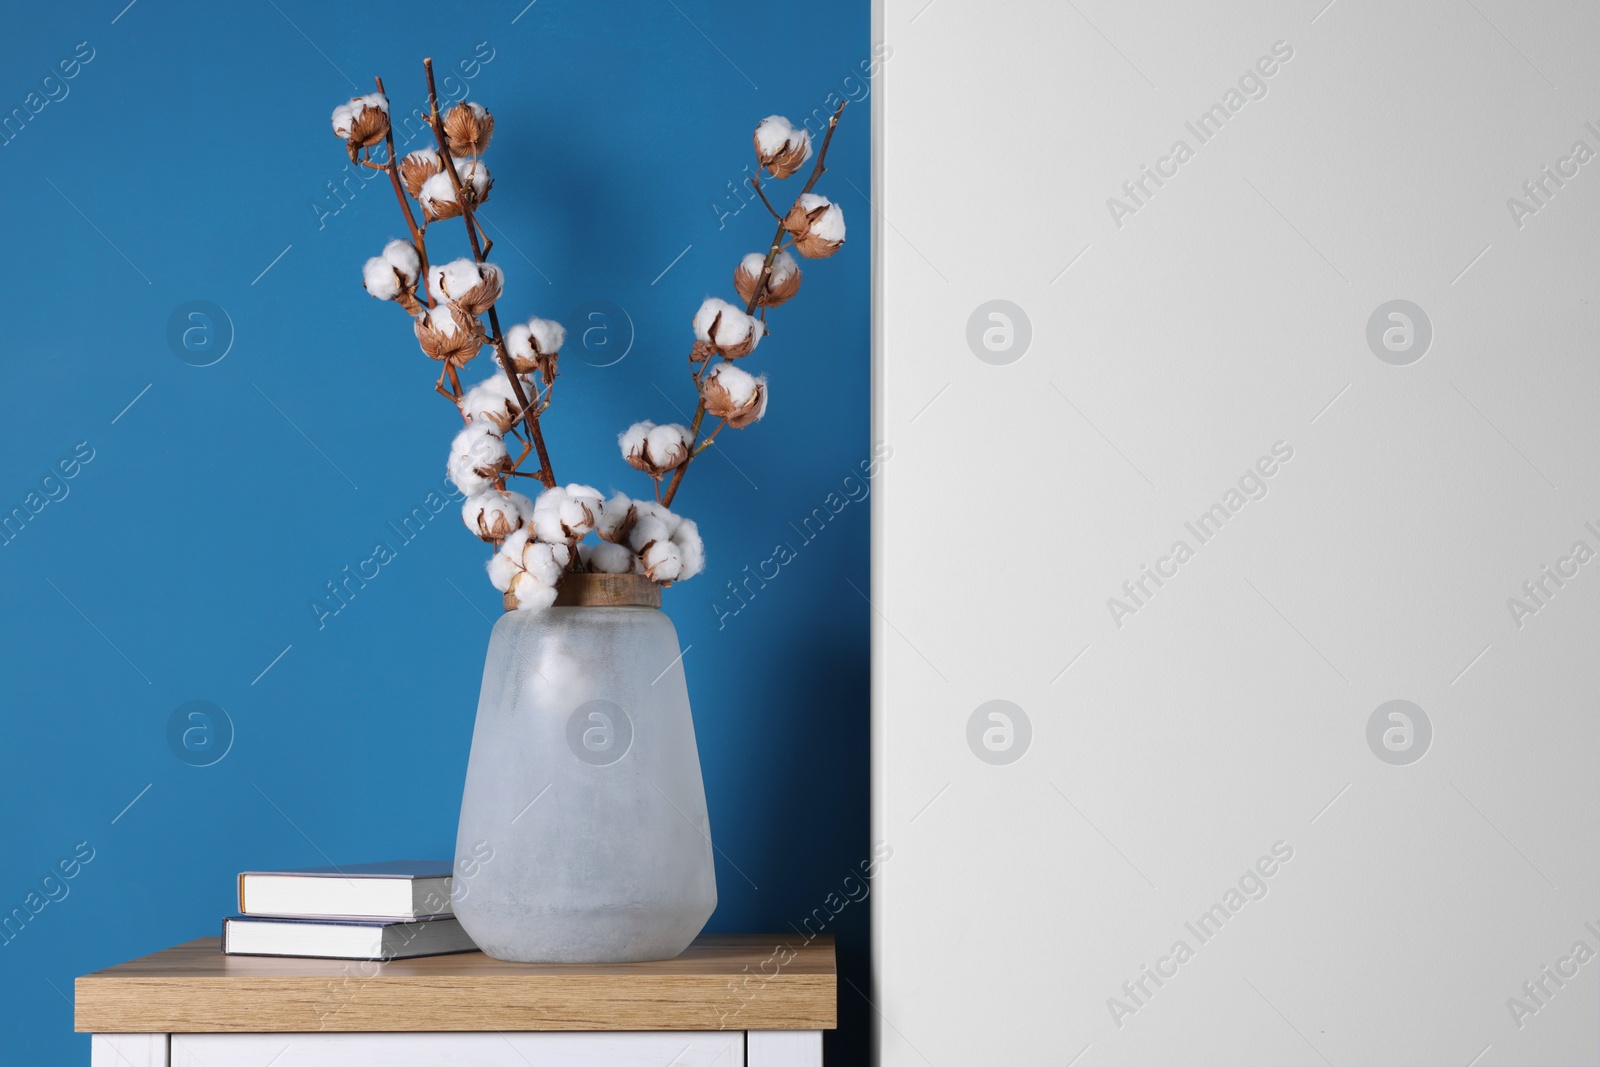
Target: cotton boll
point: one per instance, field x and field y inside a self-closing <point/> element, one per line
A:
<point x="450" y="281"/>
<point x="655" y="449"/>
<point x="380" y="279"/>
<point x="780" y="147"/>
<point x="468" y="128"/>
<point x="440" y="319"/>
<point x="477" y="457"/>
<point x="449" y="333"/>
<point x="773" y="134"/>
<point x="781" y="286"/>
<point x="502" y="570"/>
<point x="719" y="322"/>
<point x="722" y="329"/>
<point x="534" y="345"/>
<point x="506" y="564"/>
<point x="817" y="226"/>
<point x="608" y="558"/>
<point x="341" y="120"/>
<point x="667" y="446"/>
<point x="402" y="256"/>
<point x="830" y="224"/>
<point x="494" y="516"/>
<point x="616" y="519"/>
<point x="580" y="510"/>
<point x="519" y="343"/>
<point x="646" y="530"/>
<point x="530" y="594"/>
<point x="663" y="562"/>
<point x="735" y="395"/>
<point x="563" y="515"/>
<point x="417" y="167"/>
<point x="474" y="178"/>
<point x="362" y="122"/>
<point x="492" y="401"/>
<point x="548" y="335"/>
<point x="437" y="196"/>
<point x="545" y="562"/>
<point x="691" y="549"/>
<point x="660" y="511"/>
<point x="632" y="442"/>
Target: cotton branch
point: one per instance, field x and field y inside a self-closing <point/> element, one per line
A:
<point x="817" y="171"/>
<point x="480" y="250"/>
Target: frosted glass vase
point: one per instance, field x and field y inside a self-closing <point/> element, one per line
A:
<point x="583" y="835"/>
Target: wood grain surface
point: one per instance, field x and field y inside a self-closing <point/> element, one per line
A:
<point x="743" y="982"/>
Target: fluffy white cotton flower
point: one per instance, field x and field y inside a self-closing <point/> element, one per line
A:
<point x="519" y="343"/>
<point x="492" y="400"/>
<point x="691" y="549"/>
<point x="477" y="457"/>
<point x="607" y="558"/>
<point x="546" y="519"/>
<point x="528" y="570"/>
<point x="581" y="510"/>
<point x="450" y="281"/>
<point x="380" y="279"/>
<point x="496" y="515"/>
<point x="654" y="449"/>
<point x="662" y="512"/>
<point x="722" y="329"/>
<point x="740" y="384"/>
<point x="342" y="114"/>
<point x="652" y="522"/>
<point x="503" y="568"/>
<point x="817" y="226"/>
<point x="545" y="562"/>
<point x="632" y="439"/>
<point x="351" y="121"/>
<point x="475" y="175"/>
<point x="440" y="318"/>
<point x="531" y="594"/>
<point x="616" y="519"/>
<point x="735" y="395"/>
<point x="362" y="122"/>
<point x="548" y="334"/>
<point x="437" y="195"/>
<point x="781" y="286"/>
<point x="780" y="147"/>
<point x="668" y="446"/>
<point x="535" y="344"/>
<point x="566" y="514"/>
<point x="662" y="561"/>
<point x="417" y="167"/>
<point x="719" y="322"/>
<point x="402" y="256"/>
<point x="830" y="224"/>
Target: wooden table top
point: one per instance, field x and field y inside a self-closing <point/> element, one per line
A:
<point x="743" y="982"/>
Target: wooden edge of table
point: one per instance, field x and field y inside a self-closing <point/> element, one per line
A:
<point x="721" y="982"/>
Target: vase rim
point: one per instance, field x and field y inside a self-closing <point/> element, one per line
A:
<point x="589" y="590"/>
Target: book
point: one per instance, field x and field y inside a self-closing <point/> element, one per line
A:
<point x="403" y="889"/>
<point x="344" y="939"/>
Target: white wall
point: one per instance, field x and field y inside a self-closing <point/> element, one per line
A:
<point x="1227" y="316"/>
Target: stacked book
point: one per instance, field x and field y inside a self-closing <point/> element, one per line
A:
<point x="365" y="911"/>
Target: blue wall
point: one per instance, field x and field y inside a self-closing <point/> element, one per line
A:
<point x="189" y="158"/>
